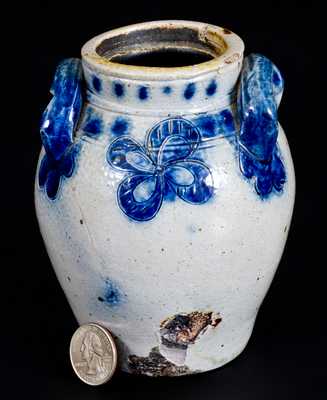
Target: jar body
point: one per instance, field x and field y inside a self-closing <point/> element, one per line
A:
<point x="179" y="290"/>
<point x="216" y="257"/>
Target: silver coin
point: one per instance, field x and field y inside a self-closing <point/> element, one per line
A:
<point x="93" y="354"/>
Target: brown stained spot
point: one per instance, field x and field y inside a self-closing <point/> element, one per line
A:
<point x="176" y="333"/>
<point x="215" y="320"/>
<point x="155" y="365"/>
<point x="234" y="57"/>
<point x="227" y="31"/>
<point x="213" y="39"/>
<point x="182" y="329"/>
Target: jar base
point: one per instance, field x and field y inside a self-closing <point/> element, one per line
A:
<point x="156" y="365"/>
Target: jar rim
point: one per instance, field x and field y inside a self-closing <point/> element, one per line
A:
<point x="225" y="47"/>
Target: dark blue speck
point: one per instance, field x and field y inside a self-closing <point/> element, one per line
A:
<point x="143" y="93"/>
<point x="93" y="126"/>
<point x="119" y="89"/>
<point x="112" y="295"/>
<point x="97" y="84"/>
<point x="166" y="90"/>
<point x="120" y="126"/>
<point x="212" y="88"/>
<point x="189" y="91"/>
<point x="92" y="123"/>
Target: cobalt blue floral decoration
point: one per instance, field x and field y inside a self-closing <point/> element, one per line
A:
<point x="57" y="126"/>
<point x="165" y="160"/>
<point x="260" y="90"/>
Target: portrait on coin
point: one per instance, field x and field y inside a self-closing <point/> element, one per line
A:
<point x="92" y="353"/>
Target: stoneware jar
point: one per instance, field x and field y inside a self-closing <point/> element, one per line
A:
<point x="164" y="191"/>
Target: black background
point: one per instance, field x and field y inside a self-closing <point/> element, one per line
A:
<point x="286" y="357"/>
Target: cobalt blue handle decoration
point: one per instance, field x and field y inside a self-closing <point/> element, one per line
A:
<point x="57" y="127"/>
<point x="62" y="113"/>
<point x="259" y="94"/>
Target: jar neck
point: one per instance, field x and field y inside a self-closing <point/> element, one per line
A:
<point x="206" y="93"/>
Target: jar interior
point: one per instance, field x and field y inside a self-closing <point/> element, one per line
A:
<point x="162" y="47"/>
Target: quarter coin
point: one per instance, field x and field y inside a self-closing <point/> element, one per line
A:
<point x="93" y="354"/>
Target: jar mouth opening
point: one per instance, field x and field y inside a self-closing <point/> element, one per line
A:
<point x="166" y="46"/>
<point x="154" y="49"/>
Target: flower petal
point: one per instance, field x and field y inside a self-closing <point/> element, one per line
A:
<point x="171" y="127"/>
<point x="174" y="148"/>
<point x="145" y="189"/>
<point x="179" y="175"/>
<point x="201" y="189"/>
<point x="138" y="206"/>
<point x="119" y="157"/>
<point x="140" y="161"/>
<point x="52" y="184"/>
